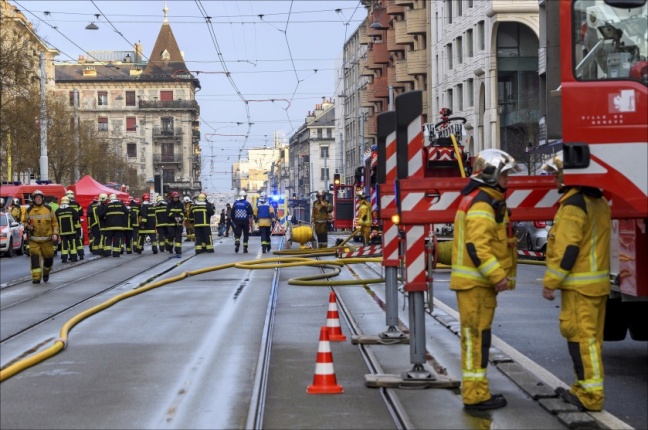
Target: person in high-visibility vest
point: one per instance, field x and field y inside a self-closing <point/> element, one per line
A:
<point x="484" y="257"/>
<point x="364" y="217"/>
<point x="67" y="217"/>
<point x="200" y="216"/>
<point x="264" y="214"/>
<point x="42" y="225"/>
<point x="578" y="264"/>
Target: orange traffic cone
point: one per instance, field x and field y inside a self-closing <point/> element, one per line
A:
<point x="324" y="381"/>
<point x="333" y="321"/>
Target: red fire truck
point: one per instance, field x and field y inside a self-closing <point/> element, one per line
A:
<point x="604" y="79"/>
<point x="604" y="97"/>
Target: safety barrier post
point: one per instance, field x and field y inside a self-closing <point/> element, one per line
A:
<point x="385" y="178"/>
<point x="409" y="152"/>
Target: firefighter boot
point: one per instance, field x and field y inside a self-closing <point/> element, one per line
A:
<point x="245" y="250"/>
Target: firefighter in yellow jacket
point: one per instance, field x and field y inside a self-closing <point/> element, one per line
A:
<point x="41" y="222"/>
<point x="364" y="217"/>
<point x="483" y="264"/>
<point x="578" y="264"/>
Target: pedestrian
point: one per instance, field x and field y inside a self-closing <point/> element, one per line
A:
<point x="229" y="224"/>
<point x="221" y="223"/>
<point x="175" y="213"/>
<point x="67" y="218"/>
<point x="115" y="214"/>
<point x="264" y="214"/>
<point x="189" y="227"/>
<point x="483" y="265"/>
<point x="321" y="210"/>
<point x="364" y="217"/>
<point x="241" y="213"/>
<point x="162" y="225"/>
<point x="200" y="215"/>
<point x="43" y="232"/>
<point x="148" y="226"/>
<point x="578" y="264"/>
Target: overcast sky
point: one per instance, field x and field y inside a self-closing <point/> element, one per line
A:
<point x="286" y="51"/>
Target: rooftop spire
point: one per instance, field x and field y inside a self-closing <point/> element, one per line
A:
<point x="166" y="12"/>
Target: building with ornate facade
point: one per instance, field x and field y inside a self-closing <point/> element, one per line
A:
<point x="143" y="107"/>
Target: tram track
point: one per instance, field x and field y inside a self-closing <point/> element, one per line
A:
<point x="393" y="404"/>
<point x="24" y="301"/>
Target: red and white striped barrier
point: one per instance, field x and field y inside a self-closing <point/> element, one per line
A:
<point x="363" y="251"/>
<point x="530" y="254"/>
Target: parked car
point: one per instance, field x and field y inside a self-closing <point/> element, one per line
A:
<point x="12" y="235"/>
<point x="532" y="235"/>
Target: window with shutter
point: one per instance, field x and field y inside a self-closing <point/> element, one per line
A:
<point x="131" y="123"/>
<point x="166" y="96"/>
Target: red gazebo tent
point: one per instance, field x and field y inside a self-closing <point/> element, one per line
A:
<point x="87" y="189"/>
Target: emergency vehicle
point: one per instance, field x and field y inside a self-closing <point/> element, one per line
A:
<point x="604" y="97"/>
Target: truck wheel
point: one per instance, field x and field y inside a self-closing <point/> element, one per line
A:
<point x="637" y="326"/>
<point x="616" y="321"/>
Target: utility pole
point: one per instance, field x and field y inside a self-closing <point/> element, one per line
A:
<point x="44" y="173"/>
<point x="342" y="150"/>
<point x="76" y="136"/>
<point x="361" y="146"/>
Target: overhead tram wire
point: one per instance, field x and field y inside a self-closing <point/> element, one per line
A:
<point x="212" y="34"/>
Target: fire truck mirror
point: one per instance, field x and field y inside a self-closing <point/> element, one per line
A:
<point x="576" y="155"/>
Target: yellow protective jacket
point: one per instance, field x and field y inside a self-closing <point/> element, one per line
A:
<point x="321" y="211"/>
<point x="364" y="213"/>
<point x="483" y="249"/>
<point x="44" y="221"/>
<point x="578" y="246"/>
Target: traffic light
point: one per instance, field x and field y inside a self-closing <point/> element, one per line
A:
<point x="336" y="179"/>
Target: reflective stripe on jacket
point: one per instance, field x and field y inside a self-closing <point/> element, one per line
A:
<point x="481" y="250"/>
<point x="578" y="246"/>
<point x="44" y="221"/>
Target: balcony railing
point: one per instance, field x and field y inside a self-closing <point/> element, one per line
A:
<point x="380" y="87"/>
<point x="364" y="69"/>
<point x="401" y="72"/>
<point x="169" y="104"/>
<point x="391" y="42"/>
<point x="380" y="54"/>
<point x="166" y="131"/>
<point x="393" y="8"/>
<point x="401" y="33"/>
<point x="167" y="158"/>
<point x="416" y="21"/>
<point x="417" y="63"/>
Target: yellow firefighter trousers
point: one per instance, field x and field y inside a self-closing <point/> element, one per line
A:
<point x="41" y="251"/>
<point x="476" y="312"/>
<point x="581" y="323"/>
